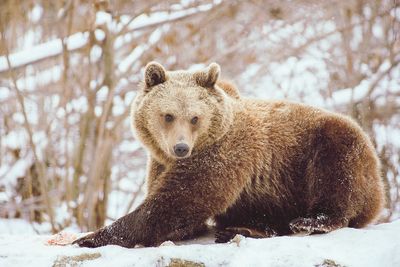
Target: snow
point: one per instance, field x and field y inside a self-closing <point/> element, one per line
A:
<point x="361" y="91"/>
<point x="145" y="20"/>
<point x="103" y="18"/>
<point x="377" y="245"/>
<point x="42" y="51"/>
<point x="36" y="13"/>
<point x="32" y="81"/>
<point x="95" y="53"/>
<point x="344" y="96"/>
<point x="100" y="35"/>
<point x="16" y="171"/>
<point x="386" y="133"/>
<point x="139" y="50"/>
<point x="10" y="227"/>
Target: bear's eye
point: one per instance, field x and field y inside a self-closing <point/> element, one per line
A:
<point x="194" y="120"/>
<point x="169" y="118"/>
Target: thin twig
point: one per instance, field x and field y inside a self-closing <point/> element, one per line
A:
<point x="28" y="128"/>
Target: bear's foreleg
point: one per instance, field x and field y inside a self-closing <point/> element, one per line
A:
<point x="177" y="210"/>
<point x="154" y="171"/>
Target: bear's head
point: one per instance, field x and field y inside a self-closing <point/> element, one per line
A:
<point x="178" y="113"/>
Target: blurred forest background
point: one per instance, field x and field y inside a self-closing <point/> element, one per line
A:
<point x="69" y="70"/>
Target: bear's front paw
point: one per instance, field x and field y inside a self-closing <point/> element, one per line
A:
<point x="92" y="240"/>
<point x="317" y="225"/>
<point x="314" y="225"/>
<point x="108" y="235"/>
<point x="227" y="234"/>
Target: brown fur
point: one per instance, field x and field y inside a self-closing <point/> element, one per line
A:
<point x="229" y="88"/>
<point x="272" y="167"/>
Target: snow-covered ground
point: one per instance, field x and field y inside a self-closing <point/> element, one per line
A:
<point x="377" y="245"/>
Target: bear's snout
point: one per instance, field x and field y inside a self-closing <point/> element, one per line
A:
<point x="181" y="150"/>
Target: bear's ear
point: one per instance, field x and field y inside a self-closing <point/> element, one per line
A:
<point x="154" y="74"/>
<point x="209" y="76"/>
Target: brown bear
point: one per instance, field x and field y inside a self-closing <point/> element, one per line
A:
<point x="259" y="168"/>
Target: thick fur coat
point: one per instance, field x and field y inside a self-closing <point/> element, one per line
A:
<point x="259" y="168"/>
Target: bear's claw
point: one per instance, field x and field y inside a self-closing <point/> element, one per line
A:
<point x="227" y="234"/>
<point x="86" y="241"/>
<point x="318" y="225"/>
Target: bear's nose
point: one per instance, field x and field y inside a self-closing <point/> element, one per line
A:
<point x="181" y="149"/>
